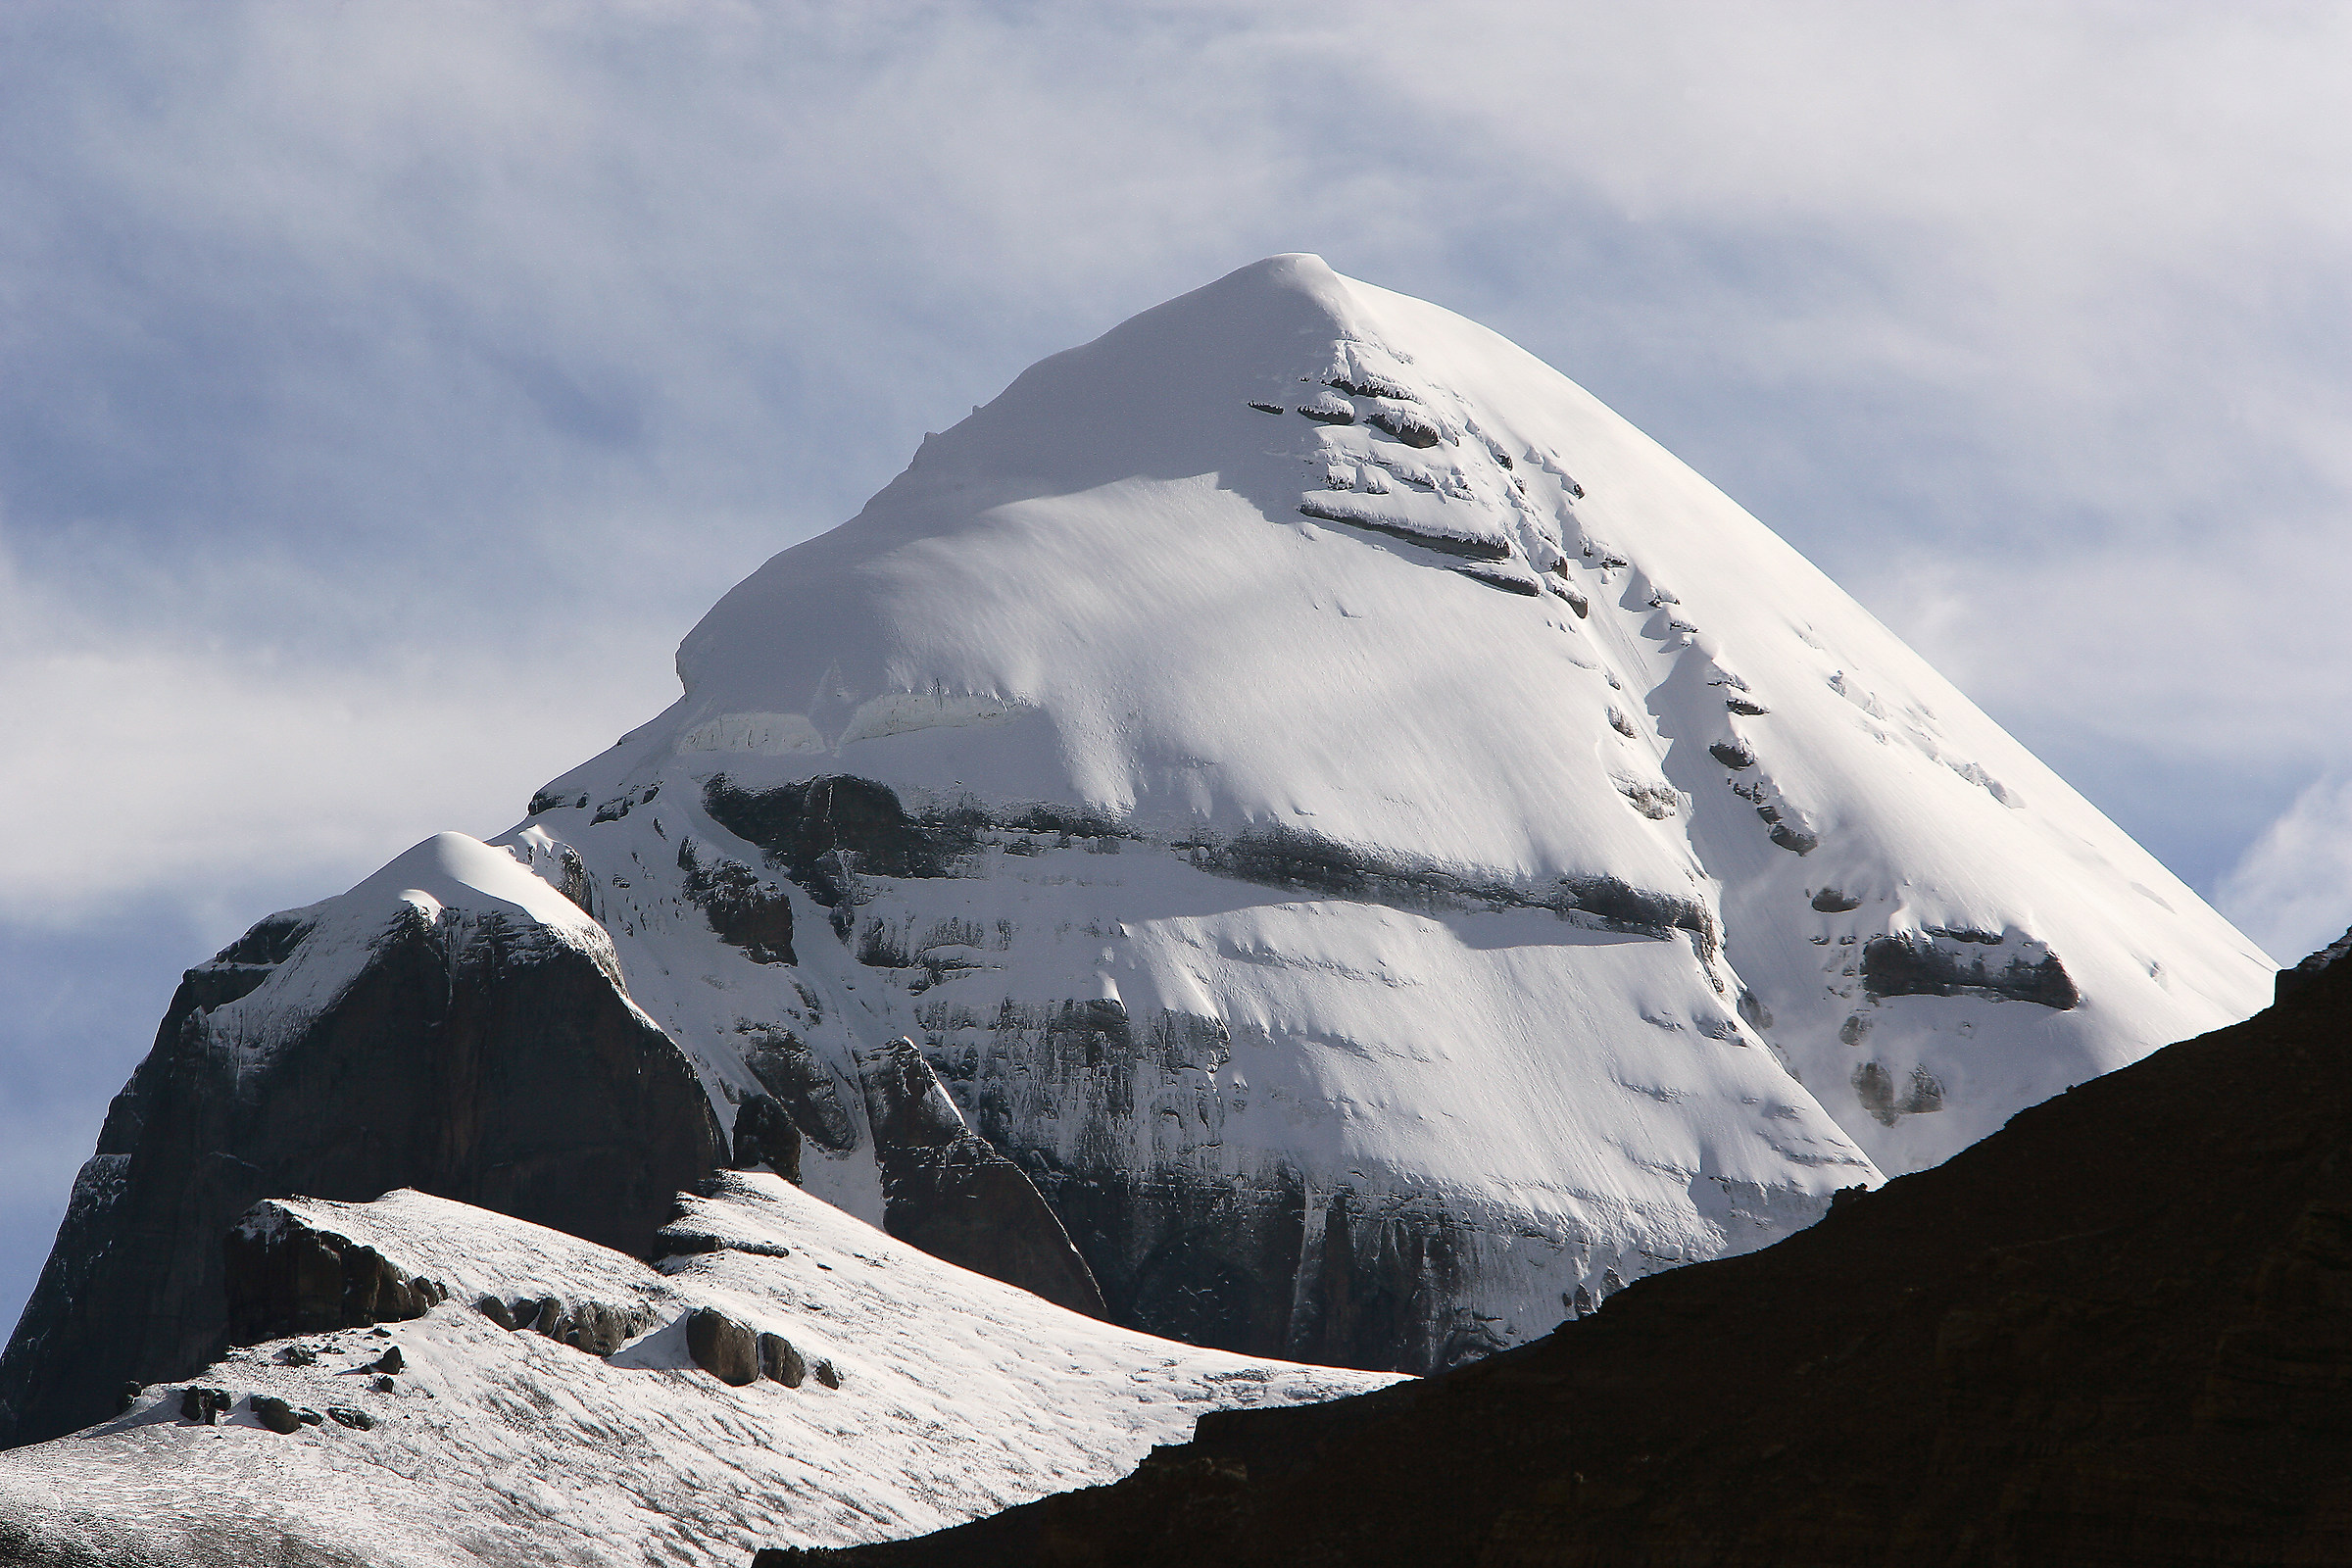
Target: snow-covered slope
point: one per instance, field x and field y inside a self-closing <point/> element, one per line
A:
<point x="956" y="1396"/>
<point x="1389" y="848"/>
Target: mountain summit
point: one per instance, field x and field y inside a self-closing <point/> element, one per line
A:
<point x="1294" y="801"/>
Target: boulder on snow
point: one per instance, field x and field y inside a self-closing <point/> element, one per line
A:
<point x="275" y="1413"/>
<point x="779" y="1362"/>
<point x="204" y="1405"/>
<point x="722" y="1347"/>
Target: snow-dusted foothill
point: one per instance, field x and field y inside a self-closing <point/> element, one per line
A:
<point x="925" y="1395"/>
<point x="453" y="1023"/>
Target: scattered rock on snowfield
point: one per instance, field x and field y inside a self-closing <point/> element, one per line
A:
<point x="204" y="1405"/>
<point x="779" y="1362"/>
<point x="275" y="1413"/>
<point x="722" y="1346"/>
<point x="598" y="1328"/>
<point x="967" y="1392"/>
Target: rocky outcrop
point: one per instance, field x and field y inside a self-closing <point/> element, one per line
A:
<point x="592" y="1326"/>
<point x="766" y="1135"/>
<point x="285" y="1276"/>
<point x="2118" y="1331"/>
<point x="823" y="832"/>
<point x="1940" y="963"/>
<point x="480" y="1055"/>
<point x="947" y="1191"/>
<point x="2288" y="983"/>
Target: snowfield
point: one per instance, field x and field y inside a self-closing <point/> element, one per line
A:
<point x="958" y="1396"/>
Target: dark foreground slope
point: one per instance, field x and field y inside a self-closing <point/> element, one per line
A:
<point x="2119" y="1330"/>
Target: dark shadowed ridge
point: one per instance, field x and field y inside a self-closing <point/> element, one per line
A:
<point x="2117" y="1332"/>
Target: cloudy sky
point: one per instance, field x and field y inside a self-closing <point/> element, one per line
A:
<point x="384" y="389"/>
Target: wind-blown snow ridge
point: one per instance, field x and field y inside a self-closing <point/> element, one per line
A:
<point x="958" y="1396"/>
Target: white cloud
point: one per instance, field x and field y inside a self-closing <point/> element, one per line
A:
<point x="2291" y="891"/>
<point x="140" y="763"/>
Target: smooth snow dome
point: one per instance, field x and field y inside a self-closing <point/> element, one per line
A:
<point x="956" y="1397"/>
<point x="1424" y="728"/>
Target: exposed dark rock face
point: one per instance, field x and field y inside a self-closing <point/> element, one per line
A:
<point x="2116" y="1334"/>
<point x="2286" y="983"/>
<point x="1412" y="428"/>
<point x="285" y="1276"/>
<point x="824" y="832"/>
<point x="1876" y="1087"/>
<point x="1829" y="900"/>
<point x="1733" y="754"/>
<point x="802" y="1085"/>
<point x="1186" y="1249"/>
<point x="1396" y="529"/>
<point x="1509" y="583"/>
<point x="947" y="1191"/>
<point x="478" y="1057"/>
<point x="744" y="911"/>
<point x="764" y="1135"/>
<point x="1644" y="910"/>
<point x="1930" y="965"/>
